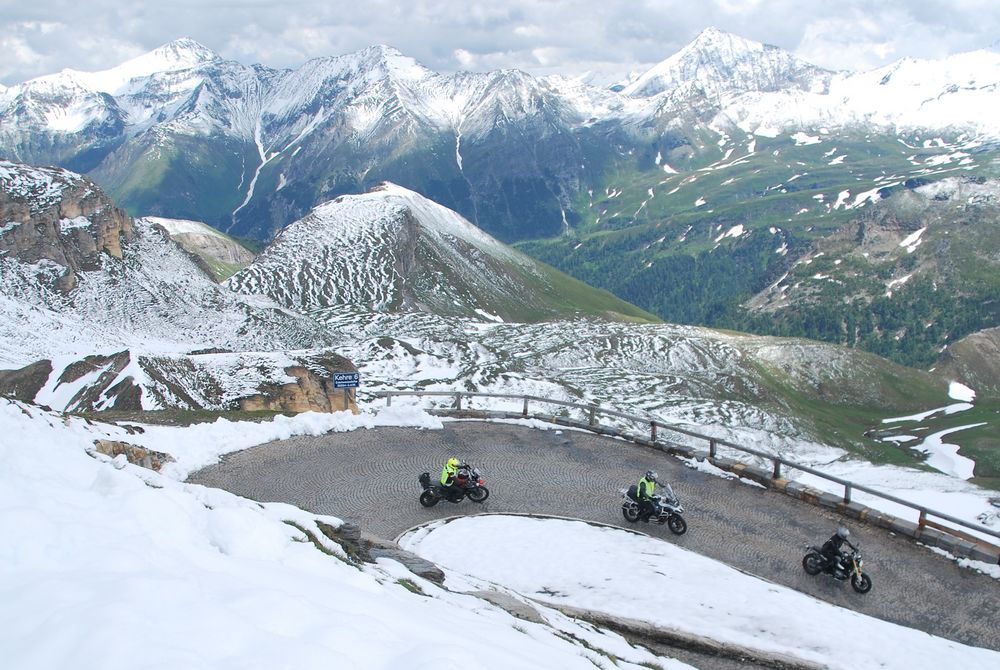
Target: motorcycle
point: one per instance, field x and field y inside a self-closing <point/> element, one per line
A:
<point x="815" y="562"/>
<point x="470" y="485"/>
<point x="668" y="508"/>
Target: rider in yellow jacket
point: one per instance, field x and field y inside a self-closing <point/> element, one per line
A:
<point x="448" y="474"/>
<point x="644" y="492"/>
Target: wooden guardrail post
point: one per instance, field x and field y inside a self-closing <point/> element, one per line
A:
<point x="388" y="400"/>
<point x="458" y="401"/>
<point x="593" y="416"/>
<point x="652" y="432"/>
<point x="524" y="410"/>
<point x="847" y="494"/>
<point x="922" y="521"/>
<point x="711" y="448"/>
<point x="776" y="472"/>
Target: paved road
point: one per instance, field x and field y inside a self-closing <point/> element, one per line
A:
<point x="370" y="477"/>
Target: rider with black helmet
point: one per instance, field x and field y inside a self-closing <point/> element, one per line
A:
<point x="644" y="493"/>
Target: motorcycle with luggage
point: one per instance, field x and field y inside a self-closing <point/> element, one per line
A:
<point x="469" y="483"/>
<point x="668" y="508"/>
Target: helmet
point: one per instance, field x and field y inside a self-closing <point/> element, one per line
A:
<point x="651" y="475"/>
<point x="453" y="462"/>
<point x="843" y="533"/>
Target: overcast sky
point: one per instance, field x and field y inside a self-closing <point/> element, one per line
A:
<point x="608" y="38"/>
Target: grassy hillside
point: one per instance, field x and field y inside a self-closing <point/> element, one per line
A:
<point x="697" y="235"/>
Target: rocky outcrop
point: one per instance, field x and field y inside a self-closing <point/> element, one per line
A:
<point x="217" y="253"/>
<point x="24" y="384"/>
<point x="141" y="456"/>
<point x="312" y="391"/>
<point x="974" y="361"/>
<point x="50" y="214"/>
<point x="123" y="382"/>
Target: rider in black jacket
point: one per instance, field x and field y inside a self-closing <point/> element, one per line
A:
<point x="831" y="549"/>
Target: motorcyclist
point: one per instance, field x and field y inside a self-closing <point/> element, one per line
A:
<point x="832" y="550"/>
<point x="449" y="475"/>
<point x="648" y="506"/>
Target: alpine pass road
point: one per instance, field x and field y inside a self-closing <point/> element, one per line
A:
<point x="369" y="477"/>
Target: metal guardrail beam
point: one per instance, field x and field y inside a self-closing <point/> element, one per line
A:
<point x="714" y="443"/>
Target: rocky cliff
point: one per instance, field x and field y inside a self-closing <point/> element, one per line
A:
<point x="50" y="214"/>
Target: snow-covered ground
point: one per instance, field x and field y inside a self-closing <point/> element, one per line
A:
<point x="107" y="565"/>
<point x="641" y="578"/>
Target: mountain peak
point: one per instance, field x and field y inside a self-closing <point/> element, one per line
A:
<point x="721" y="62"/>
<point x="183" y="53"/>
<point x="180" y="54"/>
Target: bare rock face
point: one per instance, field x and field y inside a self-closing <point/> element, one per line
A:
<point x="50" y="214"/>
<point x="24" y="384"/>
<point x="313" y="390"/>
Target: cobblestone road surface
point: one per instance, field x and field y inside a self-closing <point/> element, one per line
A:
<point x="370" y="477"/>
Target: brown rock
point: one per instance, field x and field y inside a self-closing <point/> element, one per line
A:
<point x="147" y="458"/>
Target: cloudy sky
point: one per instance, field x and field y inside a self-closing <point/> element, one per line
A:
<point x="607" y="38"/>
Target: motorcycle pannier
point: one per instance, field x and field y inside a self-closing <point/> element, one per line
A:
<point x="633" y="492"/>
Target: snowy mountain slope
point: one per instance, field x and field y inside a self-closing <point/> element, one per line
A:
<point x="394" y="250"/>
<point x="719" y="66"/>
<point x="221" y="254"/>
<point x="957" y="93"/>
<point x="119" y="305"/>
<point x="793" y="397"/>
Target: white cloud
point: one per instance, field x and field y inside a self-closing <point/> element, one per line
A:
<point x="609" y="39"/>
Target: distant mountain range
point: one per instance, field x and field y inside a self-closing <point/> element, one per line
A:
<point x="694" y="191"/>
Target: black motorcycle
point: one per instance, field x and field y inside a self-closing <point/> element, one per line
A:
<point x="668" y="508"/>
<point x="469" y="483"/>
<point x="815" y="562"/>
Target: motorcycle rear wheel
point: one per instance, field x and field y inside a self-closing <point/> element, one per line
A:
<point x="478" y="494"/>
<point x="428" y="499"/>
<point x="630" y="513"/>
<point x="812" y="563"/>
<point x="677" y="524"/>
<point x="861" y="582"/>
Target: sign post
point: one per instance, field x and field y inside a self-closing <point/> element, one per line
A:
<point x="346" y="381"/>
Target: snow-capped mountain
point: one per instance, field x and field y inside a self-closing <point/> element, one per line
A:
<point x="718" y="65"/>
<point x="510" y="152"/>
<point x="391" y="249"/>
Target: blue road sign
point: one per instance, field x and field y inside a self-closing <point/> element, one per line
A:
<point x="346" y="380"/>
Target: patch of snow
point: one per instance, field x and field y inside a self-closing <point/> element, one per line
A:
<point x="802" y="139"/>
<point x="76" y="222"/>
<point x="959" y="391"/>
<point x="912" y="241"/>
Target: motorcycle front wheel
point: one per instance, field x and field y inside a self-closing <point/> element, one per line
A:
<point x="428" y="499"/>
<point x="677" y="524"/>
<point x="861" y="582"/>
<point x="631" y="513"/>
<point x="478" y="494"/>
<point x="812" y="563"/>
